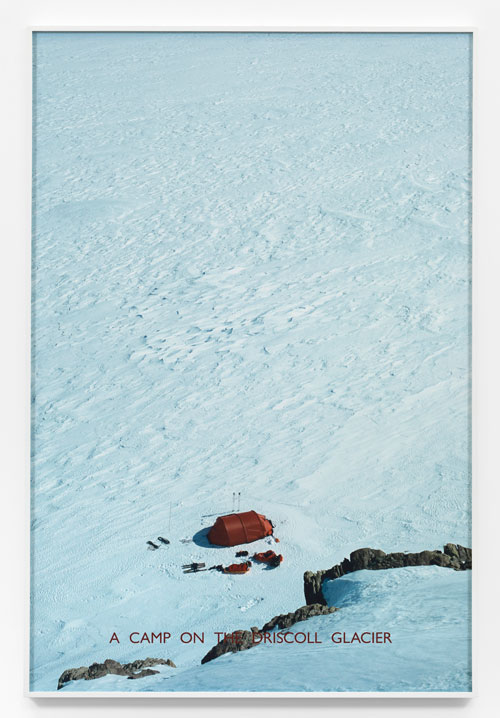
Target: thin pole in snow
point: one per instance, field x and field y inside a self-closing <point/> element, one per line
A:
<point x="239" y="500"/>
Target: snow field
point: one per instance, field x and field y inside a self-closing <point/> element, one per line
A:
<point x="251" y="272"/>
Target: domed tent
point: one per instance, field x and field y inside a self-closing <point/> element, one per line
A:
<point x="234" y="529"/>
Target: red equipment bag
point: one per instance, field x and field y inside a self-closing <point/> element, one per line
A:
<point x="238" y="568"/>
<point x="268" y="557"/>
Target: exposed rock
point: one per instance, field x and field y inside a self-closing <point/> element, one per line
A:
<point x="285" y="620"/>
<point x="464" y="555"/>
<point x="98" y="670"/>
<point x="147" y="662"/>
<point x="453" y="556"/>
<point x="364" y="558"/>
<point x="312" y="588"/>
<point x="142" y="674"/>
<point x="243" y="640"/>
<point x="72" y="674"/>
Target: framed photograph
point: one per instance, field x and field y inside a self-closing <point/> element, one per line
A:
<point x="251" y="363"/>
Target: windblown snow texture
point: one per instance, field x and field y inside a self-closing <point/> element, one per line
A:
<point x="251" y="273"/>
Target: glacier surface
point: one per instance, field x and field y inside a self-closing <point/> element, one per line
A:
<point x="251" y="273"/>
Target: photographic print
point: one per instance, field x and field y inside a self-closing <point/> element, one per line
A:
<point x="251" y="363"/>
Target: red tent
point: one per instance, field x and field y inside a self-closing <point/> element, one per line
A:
<point x="239" y="528"/>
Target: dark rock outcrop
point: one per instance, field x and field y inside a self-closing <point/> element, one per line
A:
<point x="136" y="669"/>
<point x="453" y="556"/>
<point x="285" y="620"/>
<point x="243" y="640"/>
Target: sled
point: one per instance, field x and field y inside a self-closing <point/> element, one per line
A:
<point x="237" y="568"/>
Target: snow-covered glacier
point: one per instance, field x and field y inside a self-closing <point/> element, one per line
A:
<point x="251" y="274"/>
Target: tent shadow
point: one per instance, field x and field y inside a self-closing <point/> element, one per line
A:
<point x="201" y="539"/>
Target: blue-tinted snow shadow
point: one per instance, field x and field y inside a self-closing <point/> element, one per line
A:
<point x="342" y="591"/>
<point x="201" y="539"/>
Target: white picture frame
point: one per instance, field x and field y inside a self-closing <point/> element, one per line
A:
<point x="482" y="274"/>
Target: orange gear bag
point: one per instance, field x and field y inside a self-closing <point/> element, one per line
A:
<point x="237" y="568"/>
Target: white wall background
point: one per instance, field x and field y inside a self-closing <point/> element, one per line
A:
<point x="16" y="16"/>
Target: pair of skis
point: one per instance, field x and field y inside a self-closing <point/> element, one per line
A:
<point x="196" y="567"/>
<point x="154" y="546"/>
